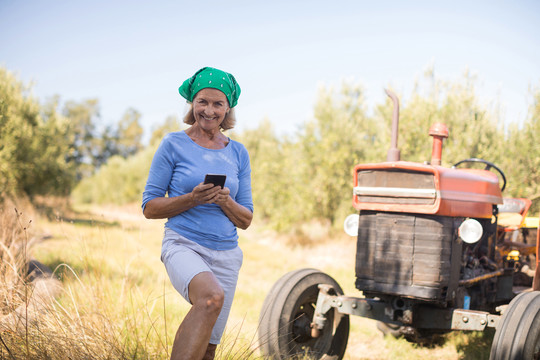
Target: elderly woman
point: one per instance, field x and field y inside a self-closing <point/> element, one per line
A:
<point x="200" y="244"/>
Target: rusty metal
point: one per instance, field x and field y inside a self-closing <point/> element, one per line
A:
<point x="454" y="319"/>
<point x="369" y="308"/>
<point x="481" y="278"/>
<point x="460" y="192"/>
<point x="393" y="152"/>
<point x="424" y="317"/>
<point x="321" y="308"/>
<point x="439" y="132"/>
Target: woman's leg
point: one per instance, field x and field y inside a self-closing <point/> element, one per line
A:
<point x="193" y="335"/>
<point x="210" y="352"/>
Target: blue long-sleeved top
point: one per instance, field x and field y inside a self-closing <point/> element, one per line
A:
<point x="179" y="165"/>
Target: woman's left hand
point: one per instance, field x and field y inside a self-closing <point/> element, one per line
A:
<point x="238" y="214"/>
<point x="222" y="196"/>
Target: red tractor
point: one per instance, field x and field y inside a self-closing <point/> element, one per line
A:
<point x="438" y="249"/>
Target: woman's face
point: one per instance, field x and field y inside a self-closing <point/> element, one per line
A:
<point x="210" y="106"/>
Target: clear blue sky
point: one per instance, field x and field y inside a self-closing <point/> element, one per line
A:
<point x="136" y="54"/>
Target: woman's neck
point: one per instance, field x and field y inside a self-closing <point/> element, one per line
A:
<point x="211" y="139"/>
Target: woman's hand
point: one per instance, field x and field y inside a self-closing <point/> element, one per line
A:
<point x="165" y="207"/>
<point x="222" y="196"/>
<point x="239" y="215"/>
<point x="206" y="194"/>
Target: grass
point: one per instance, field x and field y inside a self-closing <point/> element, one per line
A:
<point x="117" y="302"/>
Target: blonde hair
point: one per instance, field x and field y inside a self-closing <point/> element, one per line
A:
<point x="228" y="122"/>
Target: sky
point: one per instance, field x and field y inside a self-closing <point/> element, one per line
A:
<point x="137" y="53"/>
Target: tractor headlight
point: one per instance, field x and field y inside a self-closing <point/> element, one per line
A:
<point x="470" y="231"/>
<point x="350" y="225"/>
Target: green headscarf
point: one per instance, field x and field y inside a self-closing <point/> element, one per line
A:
<point x="208" y="77"/>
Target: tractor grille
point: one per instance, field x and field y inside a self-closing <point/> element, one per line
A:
<point x="407" y="254"/>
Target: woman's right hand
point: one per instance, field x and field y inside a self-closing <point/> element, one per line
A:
<point x="166" y="207"/>
<point x="204" y="193"/>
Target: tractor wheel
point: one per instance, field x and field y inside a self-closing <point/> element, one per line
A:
<point x="287" y="313"/>
<point x="266" y="311"/>
<point x="518" y="333"/>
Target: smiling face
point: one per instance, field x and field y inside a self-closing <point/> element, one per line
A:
<point x="210" y="106"/>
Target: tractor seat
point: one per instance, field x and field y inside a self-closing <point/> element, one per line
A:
<point x="512" y="213"/>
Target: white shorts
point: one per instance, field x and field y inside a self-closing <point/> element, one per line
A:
<point x="184" y="259"/>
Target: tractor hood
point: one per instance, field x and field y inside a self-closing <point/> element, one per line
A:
<point x="403" y="186"/>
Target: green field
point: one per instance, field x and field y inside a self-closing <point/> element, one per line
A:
<point x="117" y="302"/>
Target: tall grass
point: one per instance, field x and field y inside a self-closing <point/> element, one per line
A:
<point x="13" y="251"/>
<point x="116" y="302"/>
<point x="113" y="302"/>
<point x="80" y="320"/>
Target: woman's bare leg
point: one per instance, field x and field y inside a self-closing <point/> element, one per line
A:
<point x="210" y="352"/>
<point x="193" y="335"/>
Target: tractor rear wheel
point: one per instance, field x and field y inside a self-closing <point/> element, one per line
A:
<point x="287" y="313"/>
<point x="518" y="332"/>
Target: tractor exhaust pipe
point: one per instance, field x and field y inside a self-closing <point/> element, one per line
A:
<point x="439" y="132"/>
<point x="393" y="152"/>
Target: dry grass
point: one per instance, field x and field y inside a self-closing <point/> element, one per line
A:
<point x="117" y="302"/>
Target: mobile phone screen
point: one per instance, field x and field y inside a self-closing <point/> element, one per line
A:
<point x="216" y="179"/>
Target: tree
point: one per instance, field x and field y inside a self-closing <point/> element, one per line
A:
<point x="522" y="161"/>
<point x="33" y="142"/>
<point x="84" y="146"/>
<point x="171" y="124"/>
<point x="130" y="132"/>
<point x="340" y="136"/>
<point x="275" y="176"/>
<point x="472" y="130"/>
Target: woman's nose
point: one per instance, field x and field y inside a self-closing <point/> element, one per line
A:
<point x="209" y="110"/>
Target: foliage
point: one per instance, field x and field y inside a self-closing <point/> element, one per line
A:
<point x="522" y="160"/>
<point x="120" y="181"/>
<point x="340" y="136"/>
<point x="89" y="148"/>
<point x="274" y="175"/>
<point x="472" y="130"/>
<point x="308" y="177"/>
<point x="171" y="124"/>
<point x="32" y="149"/>
<point x="44" y="151"/>
<point x="296" y="179"/>
<point x="129" y="134"/>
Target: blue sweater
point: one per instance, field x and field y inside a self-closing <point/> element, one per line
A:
<point x="179" y="165"/>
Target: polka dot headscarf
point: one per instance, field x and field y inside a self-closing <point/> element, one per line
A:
<point x="208" y="77"/>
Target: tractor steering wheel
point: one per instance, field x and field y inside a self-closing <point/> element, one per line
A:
<point x="488" y="164"/>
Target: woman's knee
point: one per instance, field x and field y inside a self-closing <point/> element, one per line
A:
<point x="212" y="301"/>
<point x="206" y="293"/>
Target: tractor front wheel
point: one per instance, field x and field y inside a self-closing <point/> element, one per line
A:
<point x="287" y="313"/>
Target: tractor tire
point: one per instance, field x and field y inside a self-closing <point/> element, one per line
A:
<point x="284" y="323"/>
<point x="517" y="336"/>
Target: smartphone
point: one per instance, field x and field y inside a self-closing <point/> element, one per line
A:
<point x="216" y="179"/>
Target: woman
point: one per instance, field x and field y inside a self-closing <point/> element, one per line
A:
<point x="200" y="245"/>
